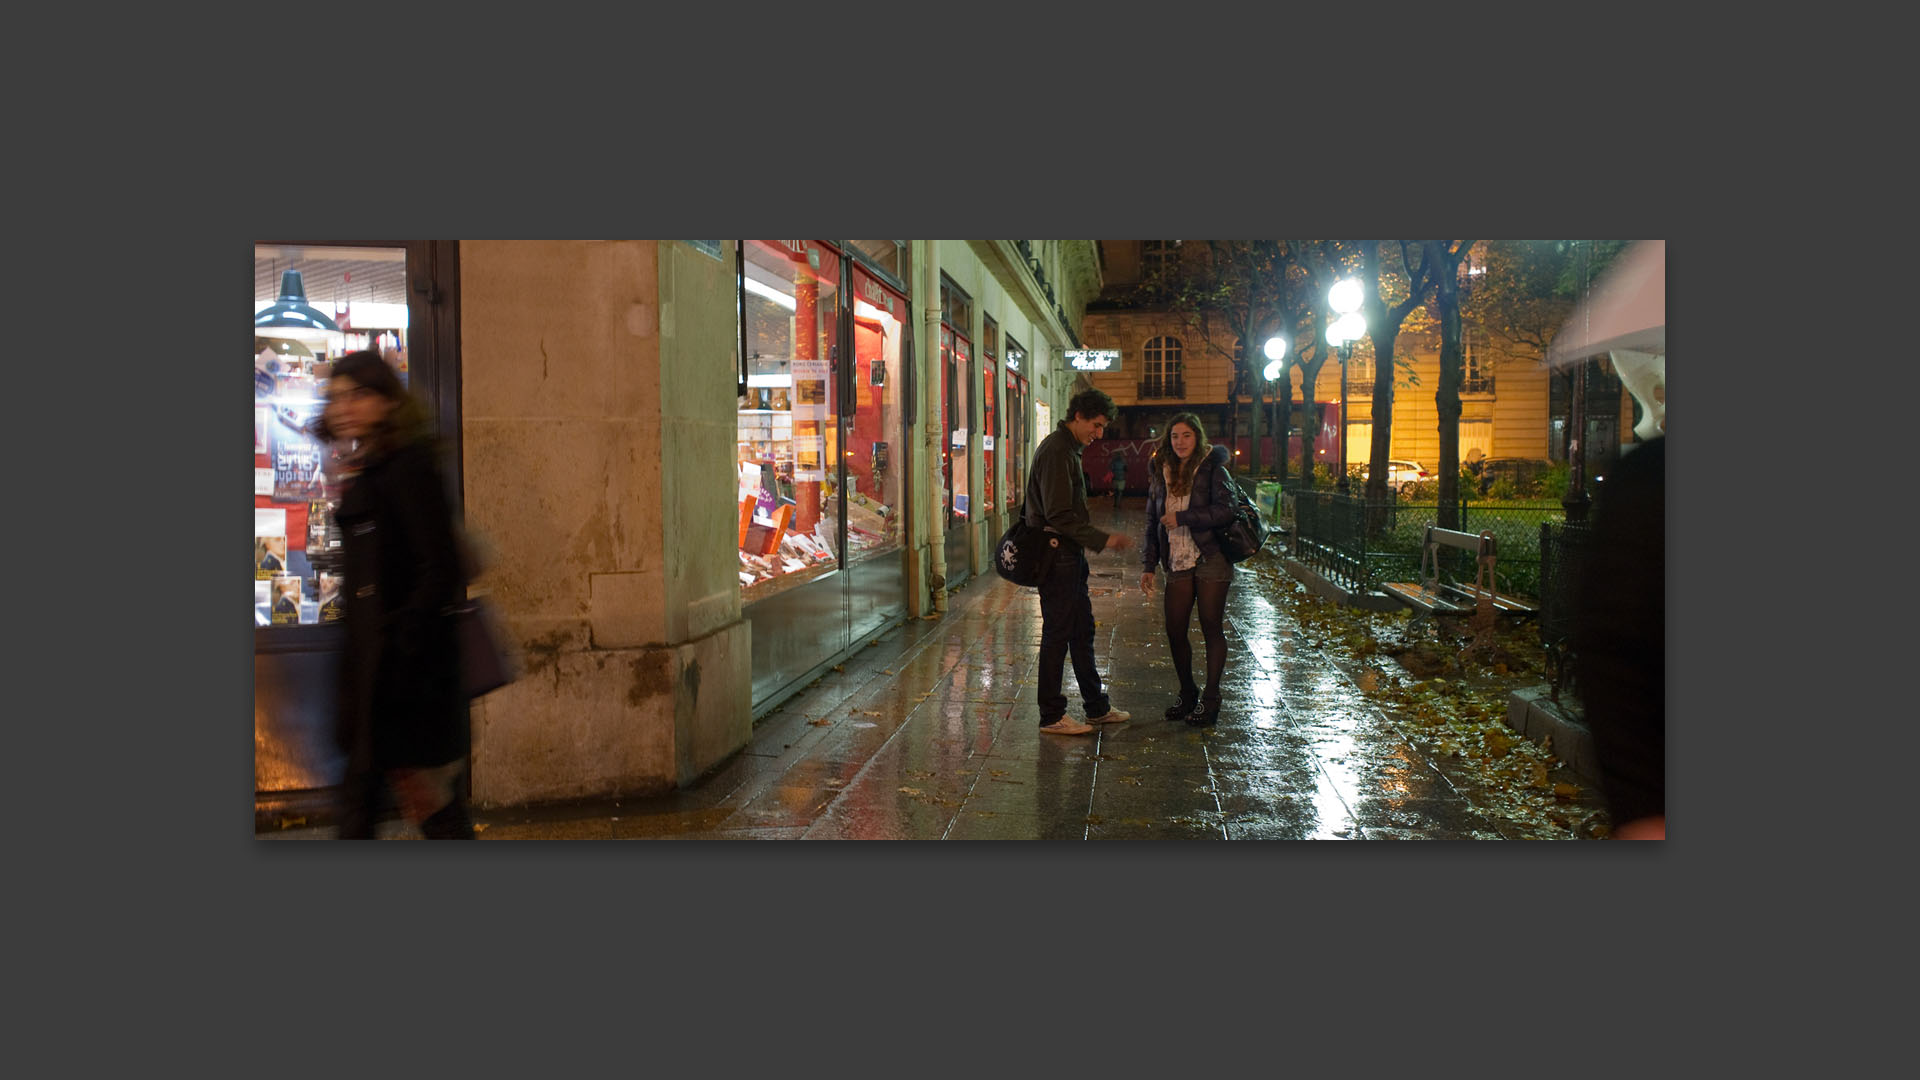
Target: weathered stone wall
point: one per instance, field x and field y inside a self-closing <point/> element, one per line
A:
<point x="576" y="360"/>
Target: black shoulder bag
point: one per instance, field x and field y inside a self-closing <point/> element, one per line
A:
<point x="1241" y="538"/>
<point x="1025" y="551"/>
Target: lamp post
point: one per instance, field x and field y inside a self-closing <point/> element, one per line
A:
<point x="1344" y="298"/>
<point x="1276" y="350"/>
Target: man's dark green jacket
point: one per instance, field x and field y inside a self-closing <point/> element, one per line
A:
<point x="1057" y="490"/>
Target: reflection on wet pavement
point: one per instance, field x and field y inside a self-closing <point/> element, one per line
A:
<point x="931" y="733"/>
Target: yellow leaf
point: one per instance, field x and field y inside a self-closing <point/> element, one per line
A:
<point x="822" y="722"/>
<point x="1565" y="791"/>
<point x="916" y="792"/>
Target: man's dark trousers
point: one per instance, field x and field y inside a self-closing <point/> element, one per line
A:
<point x="1066" y="626"/>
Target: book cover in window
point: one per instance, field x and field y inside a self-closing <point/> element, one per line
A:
<point x="330" y="609"/>
<point x="269" y="557"/>
<point x="297" y="454"/>
<point x="286" y="600"/>
<point x="320" y="535"/>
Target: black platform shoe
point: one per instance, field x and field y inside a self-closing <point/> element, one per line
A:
<point x="1205" y="716"/>
<point x="1183" y="708"/>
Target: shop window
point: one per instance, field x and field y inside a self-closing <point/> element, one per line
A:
<point x="989" y="432"/>
<point x="1019" y="441"/>
<point x="788" y="449"/>
<point x="874" y="476"/>
<point x="890" y="256"/>
<point x="956" y="354"/>
<point x="328" y="302"/>
<point x="956" y="357"/>
<point x="956" y="307"/>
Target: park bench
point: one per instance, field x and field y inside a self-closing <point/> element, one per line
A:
<point x="1437" y="594"/>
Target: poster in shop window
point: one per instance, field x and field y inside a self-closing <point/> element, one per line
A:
<point x="297" y="455"/>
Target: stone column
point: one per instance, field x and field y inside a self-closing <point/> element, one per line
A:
<point x="598" y="399"/>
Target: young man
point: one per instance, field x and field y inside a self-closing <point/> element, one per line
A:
<point x="1057" y="499"/>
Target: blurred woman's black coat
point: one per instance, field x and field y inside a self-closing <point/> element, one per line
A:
<point x="401" y="703"/>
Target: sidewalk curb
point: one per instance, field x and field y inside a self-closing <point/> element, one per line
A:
<point x="1532" y="712"/>
<point x="1338" y="593"/>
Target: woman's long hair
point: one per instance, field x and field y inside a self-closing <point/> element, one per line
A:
<point x="1165" y="461"/>
<point x="407" y="422"/>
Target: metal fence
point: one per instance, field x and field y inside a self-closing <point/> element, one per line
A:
<point x="1331" y="533"/>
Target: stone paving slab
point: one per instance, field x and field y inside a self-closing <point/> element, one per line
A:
<point x="931" y="733"/>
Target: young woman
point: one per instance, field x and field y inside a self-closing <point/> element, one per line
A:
<point x="402" y="715"/>
<point x="1186" y="500"/>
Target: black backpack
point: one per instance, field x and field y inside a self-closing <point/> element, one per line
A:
<point x="1241" y="538"/>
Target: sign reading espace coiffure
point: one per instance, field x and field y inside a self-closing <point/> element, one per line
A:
<point x="1094" y="359"/>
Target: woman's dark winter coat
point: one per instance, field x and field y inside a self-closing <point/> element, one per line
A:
<point x="401" y="703"/>
<point x="1209" y="506"/>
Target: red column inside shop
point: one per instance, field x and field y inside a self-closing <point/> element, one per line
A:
<point x="806" y="330"/>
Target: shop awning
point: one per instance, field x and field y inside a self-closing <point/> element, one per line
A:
<point x="1626" y="311"/>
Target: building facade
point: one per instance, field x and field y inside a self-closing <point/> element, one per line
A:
<point x="1171" y="364"/>
<point x="699" y="473"/>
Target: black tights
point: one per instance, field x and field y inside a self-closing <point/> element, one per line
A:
<point x="1213" y="616"/>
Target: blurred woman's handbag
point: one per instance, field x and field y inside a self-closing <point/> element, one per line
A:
<point x="486" y="664"/>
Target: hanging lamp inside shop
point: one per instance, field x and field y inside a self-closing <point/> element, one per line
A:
<point x="291" y="311"/>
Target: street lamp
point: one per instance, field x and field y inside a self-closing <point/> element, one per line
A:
<point x="1276" y="350"/>
<point x="1351" y="326"/>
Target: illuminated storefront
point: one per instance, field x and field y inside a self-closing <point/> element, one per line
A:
<point x="313" y="303"/>
<point x="818" y="456"/>
<point x="1019" y="438"/>
<point x="956" y="407"/>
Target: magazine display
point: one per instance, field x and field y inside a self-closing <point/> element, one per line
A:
<point x="297" y="455"/>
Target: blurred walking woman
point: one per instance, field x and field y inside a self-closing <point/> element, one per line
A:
<point x="1186" y="500"/>
<point x="402" y="715"/>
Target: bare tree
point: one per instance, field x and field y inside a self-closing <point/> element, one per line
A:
<point x="1443" y="258"/>
<point x="1239" y="286"/>
<point x="1383" y="328"/>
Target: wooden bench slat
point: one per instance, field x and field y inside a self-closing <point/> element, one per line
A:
<point x="1500" y="600"/>
<point x="1413" y="594"/>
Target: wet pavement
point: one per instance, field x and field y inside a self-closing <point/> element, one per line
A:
<point x="931" y="732"/>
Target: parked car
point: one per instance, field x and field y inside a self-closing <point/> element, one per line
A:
<point x="1401" y="475"/>
<point x="1523" y="472"/>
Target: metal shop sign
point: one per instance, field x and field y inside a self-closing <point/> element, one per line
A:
<point x="1094" y="359"/>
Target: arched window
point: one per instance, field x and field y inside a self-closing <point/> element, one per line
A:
<point x="1163" y="370"/>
